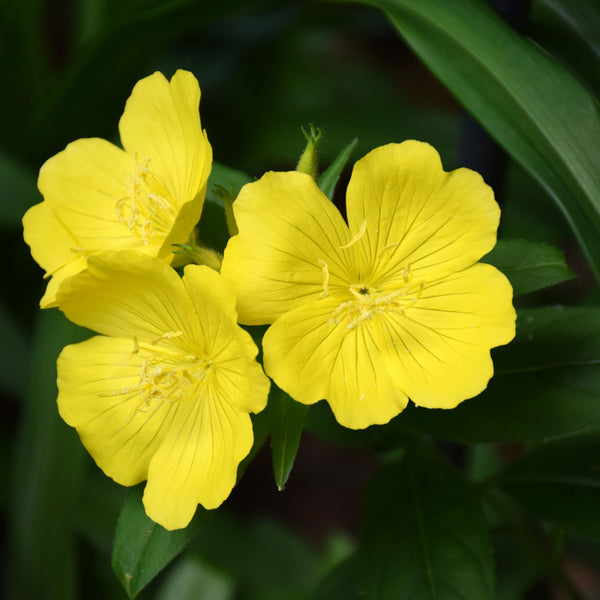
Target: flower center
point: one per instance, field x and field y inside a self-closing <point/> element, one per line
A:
<point x="165" y="376"/>
<point x="145" y="210"/>
<point x="368" y="303"/>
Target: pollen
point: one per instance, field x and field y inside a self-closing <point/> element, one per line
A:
<point x="165" y="377"/>
<point x="367" y="303"/>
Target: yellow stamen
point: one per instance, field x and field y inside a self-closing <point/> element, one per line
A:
<point x="361" y="232"/>
<point x="167" y="336"/>
<point x="136" y="349"/>
<point x="325" y="269"/>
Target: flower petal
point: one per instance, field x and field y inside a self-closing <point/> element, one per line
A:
<point x="441" y="345"/>
<point x="126" y="293"/>
<point x="119" y="432"/>
<point x="417" y="215"/>
<point x="161" y="122"/>
<point x="81" y="187"/>
<point x="311" y="355"/>
<point x="198" y="460"/>
<point x="52" y="247"/>
<point x="239" y="379"/>
<point x="288" y="250"/>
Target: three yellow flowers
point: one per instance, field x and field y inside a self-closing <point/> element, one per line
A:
<point x="390" y="305"/>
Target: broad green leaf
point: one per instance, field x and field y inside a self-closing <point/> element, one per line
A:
<point x="329" y="178"/>
<point x="288" y="424"/>
<point x="529" y="266"/>
<point x="142" y="548"/>
<point x="46" y="476"/>
<point x="559" y="481"/>
<point x="545" y="384"/>
<point x="531" y="105"/>
<point x="424" y="535"/>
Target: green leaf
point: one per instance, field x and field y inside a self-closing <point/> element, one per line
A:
<point x="531" y="105"/>
<point x="425" y="535"/>
<point x="142" y="548"/>
<point x="288" y="425"/>
<point x="559" y="481"/>
<point x="569" y="30"/>
<point x="529" y="266"/>
<point x="545" y="384"/>
<point x="329" y="178"/>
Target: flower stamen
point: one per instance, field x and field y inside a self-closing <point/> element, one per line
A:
<point x="325" y="268"/>
<point x="361" y="232"/>
<point x="144" y="210"/>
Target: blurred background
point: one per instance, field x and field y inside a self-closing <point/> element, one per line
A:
<point x="266" y="69"/>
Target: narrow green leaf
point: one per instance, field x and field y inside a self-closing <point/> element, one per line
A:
<point x="425" y="535"/>
<point x="287" y="429"/>
<point x="570" y="31"/>
<point x="533" y="107"/>
<point x="529" y="266"/>
<point x="329" y="178"/>
<point x="545" y="384"/>
<point x="142" y="548"/>
<point x="559" y="481"/>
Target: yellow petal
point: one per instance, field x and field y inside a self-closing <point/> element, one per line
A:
<point x="126" y="293"/>
<point x="198" y="460"/>
<point x="120" y="432"/>
<point x="231" y="349"/>
<point x="441" y="345"/>
<point x="287" y="251"/>
<point x="161" y="125"/>
<point x="82" y="185"/>
<point x="52" y="247"/>
<point x="417" y="215"/>
<point x="312" y="354"/>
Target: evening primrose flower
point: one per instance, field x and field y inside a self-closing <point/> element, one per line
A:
<point x="389" y="306"/>
<point x="164" y="394"/>
<point x="148" y="196"/>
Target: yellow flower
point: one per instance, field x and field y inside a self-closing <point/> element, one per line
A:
<point x="166" y="395"/>
<point x="147" y="196"/>
<point x="392" y="305"/>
